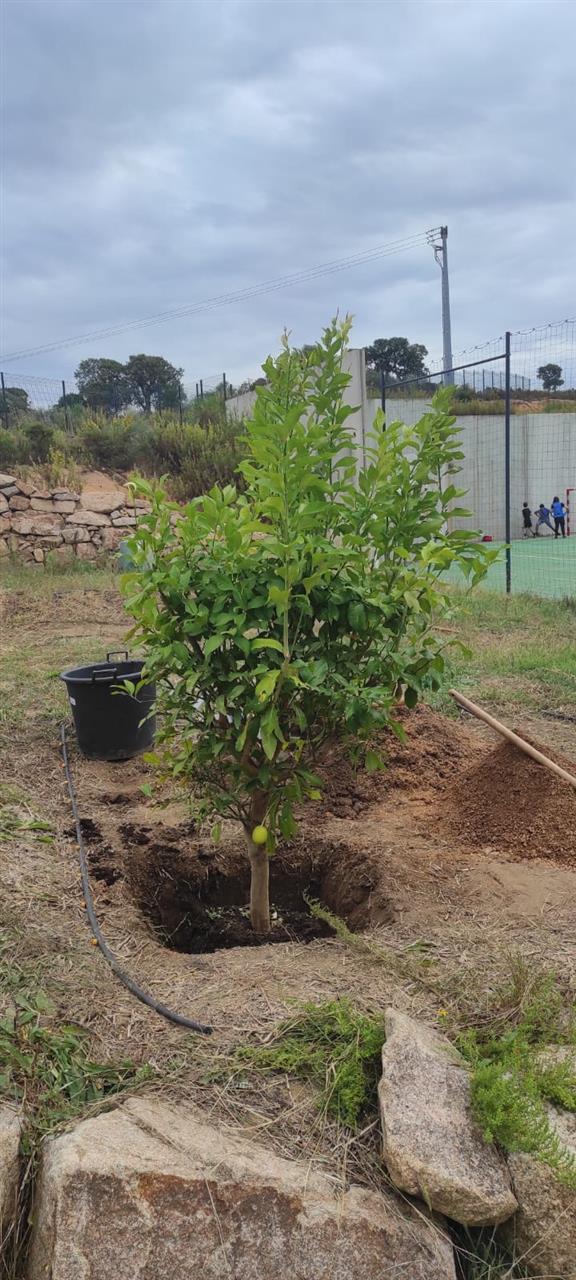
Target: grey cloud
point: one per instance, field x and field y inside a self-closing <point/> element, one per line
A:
<point x="162" y="152"/>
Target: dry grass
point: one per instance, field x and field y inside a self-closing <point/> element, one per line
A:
<point x="455" y="916"/>
<point x="521" y="662"/>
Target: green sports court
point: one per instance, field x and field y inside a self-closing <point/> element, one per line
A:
<point x="544" y="566"/>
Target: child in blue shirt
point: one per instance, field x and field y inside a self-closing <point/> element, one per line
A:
<point x="559" y="513"/>
<point x="542" y="517"/>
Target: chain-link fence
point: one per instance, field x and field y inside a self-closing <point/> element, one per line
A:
<point x="63" y="403"/>
<point x="515" y="403"/>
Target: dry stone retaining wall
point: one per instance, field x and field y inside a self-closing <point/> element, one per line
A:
<point x="36" y="524"/>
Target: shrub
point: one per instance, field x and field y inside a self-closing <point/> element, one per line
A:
<point x="112" y="443"/>
<point x="12" y="445"/>
<point x="302" y="608"/>
<point x="195" y="457"/>
<point x="40" y="437"/>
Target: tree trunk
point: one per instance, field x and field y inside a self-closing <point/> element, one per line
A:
<point x="259" y="866"/>
<point x="259" y="886"/>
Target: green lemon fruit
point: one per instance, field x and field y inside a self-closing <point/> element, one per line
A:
<point x="260" y="835"/>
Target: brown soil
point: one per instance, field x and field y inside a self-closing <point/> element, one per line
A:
<point x="434" y="753"/>
<point x="194" y="894"/>
<point x="479" y="789"/>
<point x="508" y="802"/>
<point x="460" y="852"/>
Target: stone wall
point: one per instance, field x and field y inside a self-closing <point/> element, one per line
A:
<point x="36" y="524"/>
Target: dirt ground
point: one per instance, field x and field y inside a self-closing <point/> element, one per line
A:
<point x="459" y="854"/>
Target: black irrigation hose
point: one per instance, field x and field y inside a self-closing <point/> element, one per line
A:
<point x="132" y="986"/>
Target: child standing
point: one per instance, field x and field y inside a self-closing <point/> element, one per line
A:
<point x="527" y="521"/>
<point x="559" y="513"/>
<point x="543" y="517"/>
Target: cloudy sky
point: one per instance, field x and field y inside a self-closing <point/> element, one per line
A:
<point x="161" y="152"/>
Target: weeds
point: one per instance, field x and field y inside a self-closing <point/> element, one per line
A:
<point x="13" y="825"/>
<point x="346" y="935"/>
<point x="46" y="1069"/>
<point x="512" y="1077"/>
<point x="520" y="652"/>
<point x="411" y="965"/>
<point x="336" y="1048"/>
<point x="195" y="455"/>
<point x="480" y="1255"/>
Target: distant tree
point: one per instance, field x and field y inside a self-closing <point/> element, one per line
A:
<point x="154" y="382"/>
<point x="17" y="402"/>
<point x="550" y="376"/>
<point x="397" y="358"/>
<point x="103" y="384"/>
<point x="72" y="400"/>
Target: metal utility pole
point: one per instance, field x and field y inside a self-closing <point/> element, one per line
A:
<point x="507" y="466"/>
<point x="440" y="247"/>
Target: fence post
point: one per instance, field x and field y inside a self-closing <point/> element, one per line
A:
<point x="507" y="495"/>
<point x="180" y="402"/>
<point x="65" y="404"/>
<point x="201" y="389"/>
<point x="4" y="403"/>
<point x="224" y="392"/>
<point x="383" y="395"/>
<point x="196" y="396"/>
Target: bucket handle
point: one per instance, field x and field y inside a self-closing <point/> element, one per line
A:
<point x="115" y="653"/>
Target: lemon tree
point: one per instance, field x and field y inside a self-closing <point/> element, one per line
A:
<point x="298" y="605"/>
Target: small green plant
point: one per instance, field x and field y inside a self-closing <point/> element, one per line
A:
<point x="480" y="1255"/>
<point x="513" y="1078"/>
<point x="46" y="1066"/>
<point x="301" y="608"/>
<point x="334" y="1046"/>
<point x="16" y="822"/>
<point x="343" y="932"/>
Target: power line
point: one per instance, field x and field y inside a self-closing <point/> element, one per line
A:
<point x="390" y="249"/>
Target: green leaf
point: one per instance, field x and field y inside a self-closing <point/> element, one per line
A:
<point x="278" y="596"/>
<point x="410" y="698"/>
<point x="357" y="617"/>
<point x="266" y="686"/>
<point x="268" y="643"/>
<point x="216" y="832"/>
<point x="373" y="761"/>
<point x="213" y="643"/>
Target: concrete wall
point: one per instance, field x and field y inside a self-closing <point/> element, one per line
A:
<point x="543" y="452"/>
<point x="359" y="423"/>
<point x="543" y="461"/>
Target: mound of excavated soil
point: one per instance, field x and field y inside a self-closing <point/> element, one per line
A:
<point x="481" y="792"/>
<point x="435" y="751"/>
<point x="507" y="802"/>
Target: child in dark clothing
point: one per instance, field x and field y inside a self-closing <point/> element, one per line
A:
<point x="527" y="521"/>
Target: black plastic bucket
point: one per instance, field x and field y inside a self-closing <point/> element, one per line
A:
<point x="110" y="724"/>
